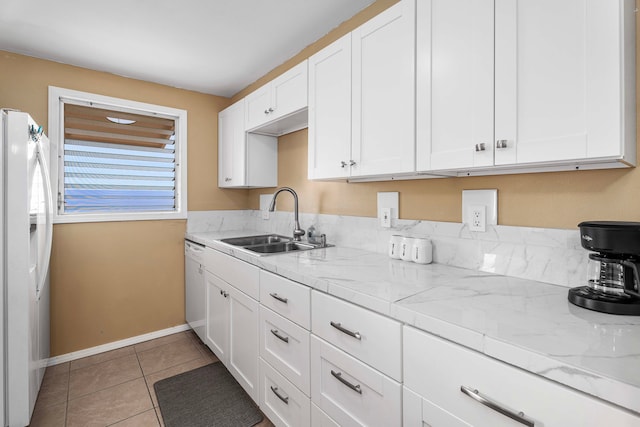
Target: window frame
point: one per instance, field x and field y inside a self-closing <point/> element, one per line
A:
<point x="60" y="96"/>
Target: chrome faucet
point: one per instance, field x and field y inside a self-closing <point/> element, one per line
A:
<point x="297" y="231"/>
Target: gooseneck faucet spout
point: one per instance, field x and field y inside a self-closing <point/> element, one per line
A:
<point x="297" y="231"/>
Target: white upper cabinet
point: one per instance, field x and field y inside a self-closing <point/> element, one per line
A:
<point x="280" y="103"/>
<point x="362" y="99"/>
<point x="560" y="79"/>
<point x="454" y="84"/>
<point x="244" y="159"/>
<point x="330" y="111"/>
<point x="383" y="95"/>
<point x="563" y="92"/>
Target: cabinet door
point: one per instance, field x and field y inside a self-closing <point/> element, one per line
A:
<point x="217" y="316"/>
<point x="243" y="341"/>
<point x="289" y="92"/>
<point x="483" y="391"/>
<point x="350" y="392"/>
<point x="281" y="401"/>
<point x="558" y="79"/>
<point x="231" y="146"/>
<point x="383" y="103"/>
<point x="257" y="107"/>
<point x="454" y="84"/>
<point x="330" y="111"/>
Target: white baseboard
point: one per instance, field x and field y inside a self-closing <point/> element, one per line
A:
<point x="56" y="360"/>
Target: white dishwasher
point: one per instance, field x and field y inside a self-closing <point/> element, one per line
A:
<point x="195" y="292"/>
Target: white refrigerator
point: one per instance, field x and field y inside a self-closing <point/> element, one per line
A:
<point x="26" y="233"/>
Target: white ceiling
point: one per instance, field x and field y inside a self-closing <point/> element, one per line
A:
<point x="211" y="46"/>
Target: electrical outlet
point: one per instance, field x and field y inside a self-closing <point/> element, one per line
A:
<point x="478" y="218"/>
<point x="385" y="218"/>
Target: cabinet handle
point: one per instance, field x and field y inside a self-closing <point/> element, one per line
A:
<point x="223" y="293"/>
<point x="338" y="376"/>
<point x="352" y="162"/>
<point x="278" y="297"/>
<point x="266" y="111"/>
<point x="481" y="147"/>
<point x="343" y="164"/>
<point x="281" y="397"/>
<point x="227" y="179"/>
<point x="344" y="330"/>
<point x="516" y="416"/>
<point x="270" y="110"/>
<point x="275" y="332"/>
<point x="501" y="143"/>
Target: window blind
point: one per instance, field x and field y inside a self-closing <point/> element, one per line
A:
<point x="114" y="167"/>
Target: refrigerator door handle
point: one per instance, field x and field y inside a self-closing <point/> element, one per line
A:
<point x="48" y="198"/>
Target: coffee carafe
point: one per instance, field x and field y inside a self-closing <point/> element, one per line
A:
<point x="613" y="282"/>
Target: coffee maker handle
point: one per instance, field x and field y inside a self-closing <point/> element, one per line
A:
<point x="631" y="287"/>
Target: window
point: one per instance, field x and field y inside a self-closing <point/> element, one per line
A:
<point x="116" y="160"/>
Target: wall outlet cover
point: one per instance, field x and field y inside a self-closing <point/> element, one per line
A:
<point x="265" y="200"/>
<point x="487" y="198"/>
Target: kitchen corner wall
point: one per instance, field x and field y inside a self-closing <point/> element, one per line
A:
<point x="550" y="200"/>
<point x="116" y="280"/>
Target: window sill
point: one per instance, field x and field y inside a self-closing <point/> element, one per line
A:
<point x="114" y="217"/>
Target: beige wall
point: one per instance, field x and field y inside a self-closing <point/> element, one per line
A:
<point x="554" y="200"/>
<point x="111" y="281"/>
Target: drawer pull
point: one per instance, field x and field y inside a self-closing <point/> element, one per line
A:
<point x="278" y="297"/>
<point x="275" y="332"/>
<point x="338" y="375"/>
<point x="516" y="416"/>
<point x="342" y="329"/>
<point x="281" y="397"/>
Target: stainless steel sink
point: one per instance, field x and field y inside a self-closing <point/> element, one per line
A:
<point x="275" y="248"/>
<point x="263" y="239"/>
<point x="270" y="244"/>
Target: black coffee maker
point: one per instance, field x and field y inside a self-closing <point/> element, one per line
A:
<point x="613" y="270"/>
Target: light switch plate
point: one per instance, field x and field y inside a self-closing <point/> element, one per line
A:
<point x="388" y="200"/>
<point x="474" y="198"/>
<point x="265" y="200"/>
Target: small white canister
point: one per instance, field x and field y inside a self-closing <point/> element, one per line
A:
<point x="422" y="251"/>
<point x="406" y="248"/>
<point x="394" y="246"/>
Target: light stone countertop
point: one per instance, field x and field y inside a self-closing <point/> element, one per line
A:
<point x="522" y="322"/>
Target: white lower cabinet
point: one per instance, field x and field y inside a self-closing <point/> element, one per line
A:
<point x="285" y="346"/>
<point x="370" y="337"/>
<point x="232" y="318"/>
<point x="282" y="402"/>
<point x="470" y="388"/>
<point x="350" y="392"/>
<point x="217" y="325"/>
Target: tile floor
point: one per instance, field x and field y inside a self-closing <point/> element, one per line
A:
<point x="115" y="388"/>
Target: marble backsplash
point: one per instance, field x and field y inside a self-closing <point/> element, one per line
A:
<point x="547" y="255"/>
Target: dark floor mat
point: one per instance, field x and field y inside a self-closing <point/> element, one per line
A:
<point x="205" y="397"/>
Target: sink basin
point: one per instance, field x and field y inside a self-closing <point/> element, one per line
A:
<point x="275" y="248"/>
<point x="262" y="239"/>
<point x="268" y="244"/>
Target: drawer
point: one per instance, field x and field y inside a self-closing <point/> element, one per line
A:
<point x="281" y="401"/>
<point x="237" y="273"/>
<point x="287" y="298"/>
<point x="320" y="419"/>
<point x="370" y="337"/>
<point x="437" y="369"/>
<point x="285" y="346"/>
<point x="419" y="412"/>
<point x="350" y="392"/>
